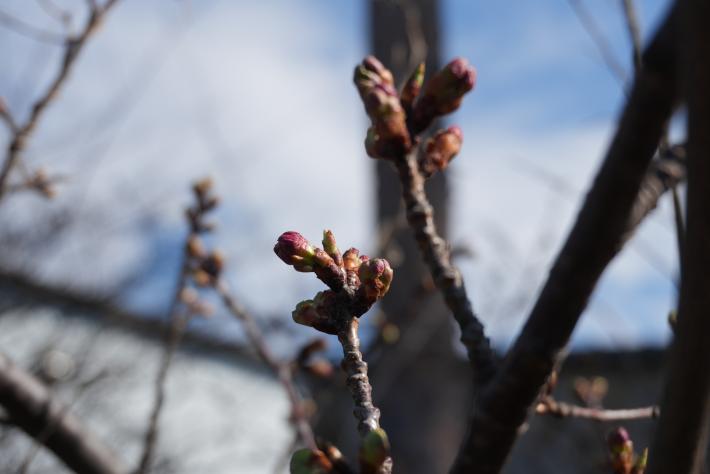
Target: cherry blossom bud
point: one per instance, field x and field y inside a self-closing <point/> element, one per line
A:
<point x="443" y="93"/>
<point x="318" y="313"/>
<point x="375" y="449"/>
<point x="412" y="87"/>
<point x="440" y="150"/>
<point x="621" y="450"/>
<point x="389" y="127"/>
<point x="331" y="247"/>
<point x="295" y="250"/>
<point x="194" y="247"/>
<point x="375" y="279"/>
<point x="306" y="461"/>
<point x="213" y="264"/>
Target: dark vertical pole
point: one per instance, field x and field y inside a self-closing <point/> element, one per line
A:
<point x="418" y="379"/>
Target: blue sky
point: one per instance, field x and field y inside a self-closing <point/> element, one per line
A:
<point x="259" y="95"/>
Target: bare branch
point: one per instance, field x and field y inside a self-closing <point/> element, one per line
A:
<point x="31" y="408"/>
<point x="72" y="48"/>
<point x="681" y="439"/>
<point x="30" y="31"/>
<point x="435" y="252"/>
<point x="590" y="25"/>
<point x="550" y="406"/>
<point x="281" y="370"/>
<point x="632" y="25"/>
<point x="595" y="239"/>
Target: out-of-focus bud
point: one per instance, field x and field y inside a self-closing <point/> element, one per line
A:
<point x="320" y="368"/>
<point x="440" y="150"/>
<point x="412" y="87"/>
<point x="213" y="264"/>
<point x="318" y="313"/>
<point x="443" y="93"/>
<point x="295" y="250"/>
<point x="202" y="187"/>
<point x="351" y="259"/>
<point x="194" y="247"/>
<point x="375" y="449"/>
<point x="375" y="279"/>
<point x="389" y="136"/>
<point x="306" y="461"/>
<point x="201" y="278"/>
<point x="621" y="451"/>
<point x="641" y="463"/>
<point x="331" y="247"/>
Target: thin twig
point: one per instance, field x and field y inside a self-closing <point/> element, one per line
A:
<point x="590" y="25"/>
<point x="550" y="406"/>
<point x="29" y="31"/>
<point x="282" y="371"/>
<point x="72" y="48"/>
<point x="632" y="25"/>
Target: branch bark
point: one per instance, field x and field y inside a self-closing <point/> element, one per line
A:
<point x="595" y="239"/>
<point x="31" y="408"/>
<point x="682" y="436"/>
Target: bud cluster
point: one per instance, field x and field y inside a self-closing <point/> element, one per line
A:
<point x="397" y="120"/>
<point x="356" y="282"/>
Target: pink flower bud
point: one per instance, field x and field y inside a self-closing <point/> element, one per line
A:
<point x="295" y="250"/>
<point x="389" y="123"/>
<point x="443" y="93"/>
<point x="440" y="150"/>
<point x="375" y="279"/>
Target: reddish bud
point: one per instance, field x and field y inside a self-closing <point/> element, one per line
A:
<point x="440" y="150"/>
<point x="318" y="313"/>
<point x="375" y="279"/>
<point x="443" y="93"/>
<point x="295" y="250"/>
<point x="621" y="450"/>
<point x="194" y="247"/>
<point x="213" y="264"/>
<point x="389" y="128"/>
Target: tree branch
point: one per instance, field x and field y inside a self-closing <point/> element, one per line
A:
<point x="72" y="48"/>
<point x="448" y="280"/>
<point x="31" y="408"/>
<point x="595" y="239"/>
<point x="681" y="439"/>
<point x="552" y="407"/>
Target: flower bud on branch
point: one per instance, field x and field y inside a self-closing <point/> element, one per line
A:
<point x="440" y="150"/>
<point x="306" y="461"/>
<point x="388" y="137"/>
<point x="443" y="93"/>
<point x="411" y="88"/>
<point x="374" y="451"/>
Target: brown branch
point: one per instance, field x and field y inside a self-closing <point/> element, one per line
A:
<point x="49" y="429"/>
<point x="552" y="407"/>
<point x="681" y="439"/>
<point x="435" y="252"/>
<point x="595" y="239"/>
<point x="31" y="408"/>
<point x="72" y="48"/>
<point x="282" y="371"/>
<point x="367" y="414"/>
